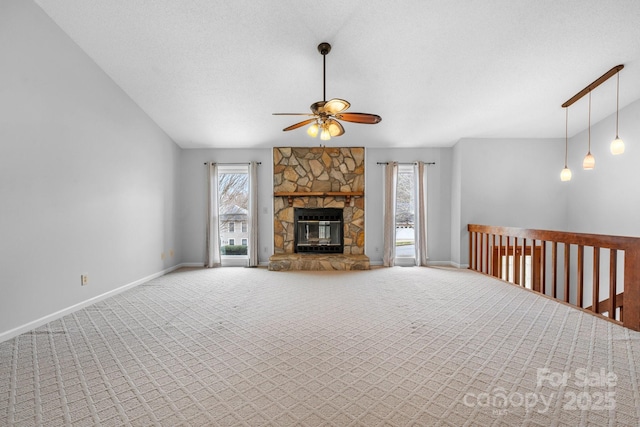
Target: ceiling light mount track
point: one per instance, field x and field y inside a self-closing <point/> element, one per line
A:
<point x="603" y="78"/>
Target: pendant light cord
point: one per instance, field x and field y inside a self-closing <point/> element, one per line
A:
<point x="617" y="101"/>
<point x="566" y="137"/>
<point x="589" y="122"/>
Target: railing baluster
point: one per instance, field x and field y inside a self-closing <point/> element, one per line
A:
<point x="498" y="273"/>
<point x="543" y="266"/>
<point x="523" y="264"/>
<point x="534" y="271"/>
<point x="567" y="271"/>
<point x="486" y="254"/>
<point x="471" y="233"/>
<point x="580" y="266"/>
<point x="506" y="259"/>
<point x="595" y="299"/>
<point x="478" y="251"/>
<point x="613" y="276"/>
<point x="516" y="269"/>
<point x="491" y="260"/>
<point x="554" y="268"/>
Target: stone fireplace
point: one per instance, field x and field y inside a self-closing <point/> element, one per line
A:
<point x="314" y="178"/>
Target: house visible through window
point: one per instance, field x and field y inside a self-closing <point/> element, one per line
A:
<point x="232" y="227"/>
<point x="232" y="242"/>
<point x="244" y="242"/>
<point x="244" y="226"/>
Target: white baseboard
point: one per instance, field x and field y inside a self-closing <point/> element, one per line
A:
<point x="192" y="264"/>
<point x="440" y="264"/>
<point x="7" y="335"/>
<point x="456" y="265"/>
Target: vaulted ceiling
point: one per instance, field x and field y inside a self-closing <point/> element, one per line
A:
<point x="210" y="73"/>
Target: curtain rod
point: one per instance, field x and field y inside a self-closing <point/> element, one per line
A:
<point x="231" y="164"/>
<point x="603" y="78"/>
<point x="410" y="163"/>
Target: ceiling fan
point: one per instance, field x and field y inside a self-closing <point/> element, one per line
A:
<point x="325" y="114"/>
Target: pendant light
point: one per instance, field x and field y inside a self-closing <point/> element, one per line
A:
<point x="617" y="145"/>
<point x="565" y="175"/>
<point x="589" y="161"/>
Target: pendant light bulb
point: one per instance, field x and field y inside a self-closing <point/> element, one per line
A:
<point x="565" y="175"/>
<point x="324" y="134"/>
<point x="312" y="131"/>
<point x="617" y="145"/>
<point x="589" y="162"/>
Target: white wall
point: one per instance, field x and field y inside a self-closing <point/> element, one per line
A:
<point x="88" y="182"/>
<point x="193" y="198"/>
<point x="606" y="200"/>
<point x="457" y="228"/>
<point x="508" y="182"/>
<point x="438" y="199"/>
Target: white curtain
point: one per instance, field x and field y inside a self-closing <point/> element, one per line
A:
<point x="420" y="176"/>
<point x="389" y="219"/>
<point x="253" y="215"/>
<point x="213" y="233"/>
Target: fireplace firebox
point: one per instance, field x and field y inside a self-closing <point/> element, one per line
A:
<point x="318" y="230"/>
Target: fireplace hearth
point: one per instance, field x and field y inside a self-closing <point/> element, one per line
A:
<point x="318" y="230"/>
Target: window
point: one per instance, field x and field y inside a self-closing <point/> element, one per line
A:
<point x="244" y="226"/>
<point x="405" y="212"/>
<point x="233" y="193"/>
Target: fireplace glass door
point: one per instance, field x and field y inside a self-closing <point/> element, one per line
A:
<point x="318" y="230"/>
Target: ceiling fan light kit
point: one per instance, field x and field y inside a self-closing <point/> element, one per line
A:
<point x="325" y="114"/>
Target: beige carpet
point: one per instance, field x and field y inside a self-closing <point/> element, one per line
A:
<point x="386" y="347"/>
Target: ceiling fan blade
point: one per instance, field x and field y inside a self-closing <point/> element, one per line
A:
<point x="300" y="124"/>
<point x="335" y="128"/>
<point x="335" y="106"/>
<point x="292" y="114"/>
<point x="369" y="119"/>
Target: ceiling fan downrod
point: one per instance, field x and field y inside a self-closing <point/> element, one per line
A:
<point x="324" y="48"/>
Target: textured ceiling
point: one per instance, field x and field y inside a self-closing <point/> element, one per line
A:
<point x="210" y="73"/>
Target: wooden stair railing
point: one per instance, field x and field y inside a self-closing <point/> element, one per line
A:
<point x="503" y="252"/>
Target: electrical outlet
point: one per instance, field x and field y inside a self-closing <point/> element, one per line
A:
<point x="171" y="253"/>
<point x="162" y="255"/>
<point x="84" y="279"/>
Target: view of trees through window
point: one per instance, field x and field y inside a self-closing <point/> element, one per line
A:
<point x="233" y="191"/>
<point x="405" y="212"/>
